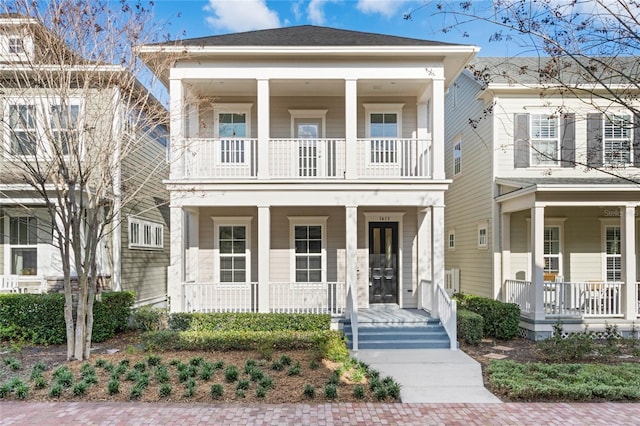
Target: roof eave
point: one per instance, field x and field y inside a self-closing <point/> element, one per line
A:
<point x="309" y="50"/>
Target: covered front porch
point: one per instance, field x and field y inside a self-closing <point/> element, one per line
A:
<point x="569" y="253"/>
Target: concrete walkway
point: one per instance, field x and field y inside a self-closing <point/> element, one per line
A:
<point x="431" y="375"/>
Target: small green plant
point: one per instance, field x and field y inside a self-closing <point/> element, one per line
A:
<point x="39" y="382"/>
<point x="231" y="374"/>
<point x="255" y="374"/>
<point x="63" y="376"/>
<point x="261" y="392"/>
<point x="207" y="371"/>
<point x="243" y="384"/>
<point x="87" y="368"/>
<point x="266" y="382"/>
<point x="39" y="366"/>
<point x="380" y="393"/>
<point x="132" y="375"/>
<point x="101" y="363"/>
<point x="136" y="392"/>
<point x="358" y="392"/>
<point x="143" y="381"/>
<point x="5" y="390"/>
<point x="174" y="362"/>
<point x="393" y="390"/>
<point x="248" y="365"/>
<point x="190" y="388"/>
<point x="165" y="390"/>
<point x="294" y="370"/>
<point x="21" y="390"/>
<point x="140" y="366"/>
<point x="55" y="391"/>
<point x="309" y="391"/>
<point x="161" y="374"/>
<point x="217" y="391"/>
<point x="331" y="391"/>
<point x="196" y="361"/>
<point x="240" y="393"/>
<point x="125" y="363"/>
<point x="277" y="366"/>
<point x="80" y="388"/>
<point x="90" y="379"/>
<point x="153" y="360"/>
<point x="314" y="364"/>
<point x="334" y="379"/>
<point x="285" y="360"/>
<point x="113" y="387"/>
<point x="12" y="363"/>
<point x="183" y="375"/>
<point x="218" y="365"/>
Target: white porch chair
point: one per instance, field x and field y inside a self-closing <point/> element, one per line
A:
<point x="9" y="284"/>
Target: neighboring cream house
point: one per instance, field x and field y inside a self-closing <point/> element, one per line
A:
<point x="35" y="119"/>
<point x="307" y="169"/>
<point x="539" y="212"/>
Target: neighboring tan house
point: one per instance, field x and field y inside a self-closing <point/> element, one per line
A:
<point x="35" y="119"/>
<point x="307" y="169"/>
<point x="539" y="212"/>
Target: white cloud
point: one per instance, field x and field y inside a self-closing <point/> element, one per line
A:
<point x="315" y="11"/>
<point x="241" y="15"/>
<point x="386" y="8"/>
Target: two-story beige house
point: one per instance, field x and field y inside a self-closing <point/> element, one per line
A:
<point x="307" y="169"/>
<point x="42" y="117"/>
<point x="542" y="208"/>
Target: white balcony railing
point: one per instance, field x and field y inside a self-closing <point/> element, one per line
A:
<point x="312" y="298"/>
<point x="569" y="299"/>
<point x="306" y="159"/>
<point x="220" y="297"/>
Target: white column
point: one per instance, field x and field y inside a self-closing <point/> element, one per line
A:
<point x="192" y="244"/>
<point x="176" y="116"/>
<point x="437" y="252"/>
<point x="506" y="248"/>
<point x="263" y="128"/>
<point x="351" y="127"/>
<point x="424" y="249"/>
<point x="628" y="246"/>
<point x="351" y="253"/>
<point x="437" y="129"/>
<point x="537" y="261"/>
<point x="175" y="272"/>
<point x="264" y="248"/>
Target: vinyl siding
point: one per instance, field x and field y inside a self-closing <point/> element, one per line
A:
<point x="470" y="196"/>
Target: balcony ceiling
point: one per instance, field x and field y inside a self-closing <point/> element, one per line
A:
<point x="310" y="87"/>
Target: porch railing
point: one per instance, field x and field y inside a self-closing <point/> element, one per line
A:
<point x="220" y="297"/>
<point x="569" y="299"/>
<point x="307" y="158"/>
<point x="316" y="298"/>
<point x="440" y="305"/>
<point x="393" y="157"/>
<point x="221" y="158"/>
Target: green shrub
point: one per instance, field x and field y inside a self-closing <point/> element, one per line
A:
<point x="165" y="390"/>
<point x="79" y="389"/>
<point x="231" y="374"/>
<point x="469" y="326"/>
<point x="111" y="314"/>
<point x="113" y="387"/>
<point x="217" y="391"/>
<point x="358" y="392"/>
<point x="331" y="391"/>
<point x="148" y="318"/>
<point x="243" y="384"/>
<point x="248" y="322"/>
<point x="500" y="320"/>
<point x="309" y="391"/>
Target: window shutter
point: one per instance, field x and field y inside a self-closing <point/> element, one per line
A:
<point x="636" y="140"/>
<point x="521" y="140"/>
<point x="568" y="141"/>
<point x="594" y="140"/>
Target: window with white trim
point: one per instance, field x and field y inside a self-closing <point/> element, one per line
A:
<point x="308" y="252"/>
<point x="483" y="235"/>
<point x="457" y="157"/>
<point x="451" y="240"/>
<point x="64" y="127"/>
<point x="552" y="250"/>
<point x="23" y="232"/>
<point x="22" y="129"/>
<point x="15" y="45"/>
<point x="617" y="136"/>
<point x="613" y="254"/>
<point x="232" y="249"/>
<point x="145" y="234"/>
<point x="233" y="123"/>
<point x="383" y="127"/>
<point x="544" y="140"/>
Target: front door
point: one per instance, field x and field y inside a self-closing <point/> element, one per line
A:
<point x="308" y="132"/>
<point x="383" y="262"/>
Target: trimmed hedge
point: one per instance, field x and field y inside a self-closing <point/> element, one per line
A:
<point x="469" y="326"/>
<point x="248" y="322"/>
<point x="39" y="318"/>
<point x="326" y="341"/>
<point x="501" y="320"/>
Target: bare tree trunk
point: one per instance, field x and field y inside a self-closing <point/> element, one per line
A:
<point x="68" y="316"/>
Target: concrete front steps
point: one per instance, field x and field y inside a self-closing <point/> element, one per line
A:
<point x="420" y="333"/>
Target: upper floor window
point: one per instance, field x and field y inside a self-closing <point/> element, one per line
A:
<point x="383" y="127"/>
<point x="16" y="47"/>
<point x="617" y="139"/>
<point x="144" y="234"/>
<point x="544" y="140"/>
<point x="451" y="240"/>
<point x="457" y="158"/>
<point x="232" y="125"/>
<point x="22" y="133"/>
<point x="483" y="235"/>
<point x="64" y="127"/>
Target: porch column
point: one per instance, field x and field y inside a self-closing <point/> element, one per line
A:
<point x="263" y="128"/>
<point x="351" y="254"/>
<point x="537" y="262"/>
<point x="437" y="253"/>
<point x="176" y="117"/>
<point x="437" y="129"/>
<point x="628" y="246"/>
<point x="192" y="244"/>
<point x="505" y="232"/>
<point x="424" y="251"/>
<point x="175" y="271"/>
<point x="351" y="127"/>
<point x="264" y="248"/>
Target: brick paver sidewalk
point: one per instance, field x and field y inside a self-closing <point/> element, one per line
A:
<point x="106" y="413"/>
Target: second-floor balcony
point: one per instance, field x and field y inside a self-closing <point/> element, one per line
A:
<point x="304" y="158"/>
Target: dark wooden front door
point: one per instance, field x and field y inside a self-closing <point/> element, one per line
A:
<point x="383" y="262"/>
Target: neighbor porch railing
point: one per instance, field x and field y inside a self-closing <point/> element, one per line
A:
<point x="220" y="297"/>
<point x="569" y="299"/>
<point x="439" y="305"/>
<point x="315" y="298"/>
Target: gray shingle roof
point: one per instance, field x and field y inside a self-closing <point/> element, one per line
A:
<point x="305" y="35"/>
<point x="547" y="70"/>
<point x="525" y="182"/>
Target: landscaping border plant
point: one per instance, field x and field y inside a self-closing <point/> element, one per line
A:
<point x="501" y="320"/>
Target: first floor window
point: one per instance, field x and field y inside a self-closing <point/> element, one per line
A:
<point x="308" y="253"/>
<point x="23" y="233"/>
<point x="613" y="257"/>
<point x="232" y="243"/>
<point x="552" y="250"/>
<point x="483" y="235"/>
<point x="144" y="234"/>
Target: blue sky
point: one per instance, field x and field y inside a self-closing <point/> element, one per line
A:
<point x="199" y="18"/>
